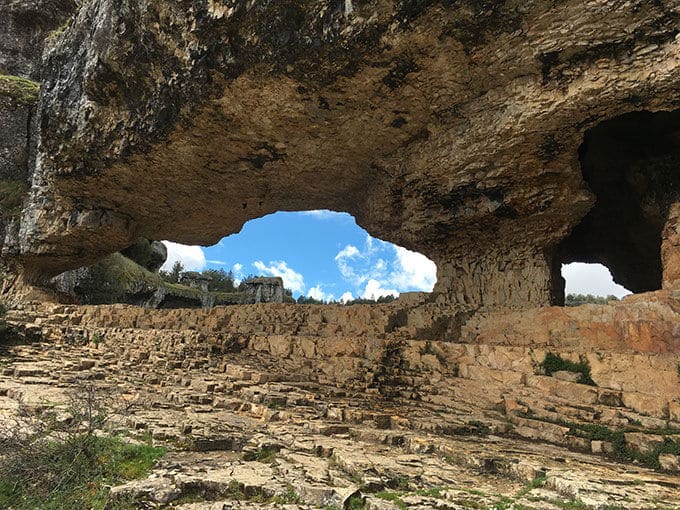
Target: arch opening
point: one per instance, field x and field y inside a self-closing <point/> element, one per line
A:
<point x="631" y="163"/>
<point x="590" y="283"/>
<point x="319" y="256"/>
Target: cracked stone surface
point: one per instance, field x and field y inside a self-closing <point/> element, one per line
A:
<point x="261" y="425"/>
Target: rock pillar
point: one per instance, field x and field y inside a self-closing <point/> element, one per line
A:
<point x="515" y="278"/>
<point x="670" y="249"/>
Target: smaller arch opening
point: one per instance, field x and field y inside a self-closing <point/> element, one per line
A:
<point x="631" y="164"/>
<point x="590" y="283"/>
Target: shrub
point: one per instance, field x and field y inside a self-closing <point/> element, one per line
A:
<point x="555" y="363"/>
<point x="51" y="463"/>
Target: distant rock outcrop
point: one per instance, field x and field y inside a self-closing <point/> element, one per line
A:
<point x="263" y="290"/>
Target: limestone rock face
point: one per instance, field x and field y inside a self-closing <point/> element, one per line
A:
<point x="450" y="128"/>
<point x="24" y="26"/>
<point x="263" y="290"/>
<point x="157" y="257"/>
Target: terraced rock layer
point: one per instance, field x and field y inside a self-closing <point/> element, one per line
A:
<point x="311" y="405"/>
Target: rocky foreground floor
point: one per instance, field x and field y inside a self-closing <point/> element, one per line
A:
<point x="246" y="430"/>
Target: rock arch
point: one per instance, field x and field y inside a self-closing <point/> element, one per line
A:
<point x="451" y="129"/>
<point x="632" y="165"/>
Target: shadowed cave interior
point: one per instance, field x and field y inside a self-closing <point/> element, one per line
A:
<point x="631" y="163"/>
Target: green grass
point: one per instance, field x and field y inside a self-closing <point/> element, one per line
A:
<point x="23" y="91"/>
<point x="228" y="298"/>
<point x="73" y="474"/>
<point x="394" y="497"/>
<point x="12" y="193"/>
<point x="266" y="455"/>
<point x="434" y="492"/>
<point x="290" y="497"/>
<point x="620" y="450"/>
<point x="537" y="482"/>
<point x="355" y="502"/>
<point x="555" y="363"/>
<point x="571" y="504"/>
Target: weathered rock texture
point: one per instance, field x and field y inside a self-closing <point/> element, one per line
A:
<point x="490" y="375"/>
<point x="450" y="128"/>
<point x="264" y="418"/>
<point x="263" y="290"/>
<point x="24" y="26"/>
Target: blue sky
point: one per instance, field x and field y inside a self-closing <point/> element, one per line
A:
<point x="322" y="254"/>
<point x="326" y="255"/>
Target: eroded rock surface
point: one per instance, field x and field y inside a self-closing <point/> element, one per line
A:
<point x="312" y="405"/>
<point x="449" y="128"/>
<point x="24" y="28"/>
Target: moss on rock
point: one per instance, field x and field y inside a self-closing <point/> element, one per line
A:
<point x="12" y="193"/>
<point x="23" y="91"/>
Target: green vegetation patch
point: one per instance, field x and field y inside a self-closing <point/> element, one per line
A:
<point x="621" y="451"/>
<point x="228" y="298"/>
<point x="73" y="473"/>
<point x="117" y="279"/>
<point x="111" y="279"/>
<point x="555" y="363"/>
<point x="588" y="299"/>
<point x="266" y="455"/>
<point x="394" y="497"/>
<point x="12" y="193"/>
<point x="23" y="91"/>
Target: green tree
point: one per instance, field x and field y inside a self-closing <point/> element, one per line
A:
<point x="581" y="299"/>
<point x="220" y="280"/>
<point x="308" y="300"/>
<point x="173" y="275"/>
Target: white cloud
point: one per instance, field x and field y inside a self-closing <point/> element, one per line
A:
<point x="347" y="296"/>
<point x="292" y="280"/>
<point x="348" y="252"/>
<point x="374" y="290"/>
<point x="217" y="262"/>
<point x="237" y="269"/>
<point x="345" y="264"/>
<point x="191" y="257"/>
<point x="318" y="293"/>
<point x="413" y="271"/>
<point x="322" y="214"/>
<point x="591" y="279"/>
<point x="381" y="268"/>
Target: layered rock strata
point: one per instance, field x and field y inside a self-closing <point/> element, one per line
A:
<point x="615" y="389"/>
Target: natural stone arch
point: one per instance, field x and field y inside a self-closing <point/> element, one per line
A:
<point x="449" y="129"/>
<point x="632" y="165"/>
